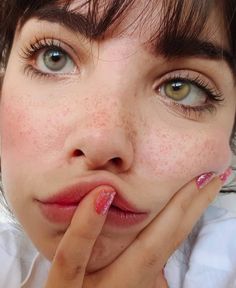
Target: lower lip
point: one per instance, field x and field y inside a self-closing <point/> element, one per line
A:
<point x="63" y="214"/>
<point x="121" y="218"/>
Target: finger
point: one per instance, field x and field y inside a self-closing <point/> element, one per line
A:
<point x="177" y="220"/>
<point x="74" y="250"/>
<point x="150" y="251"/>
<point x="148" y="247"/>
<point x="198" y="205"/>
<point x="168" y="229"/>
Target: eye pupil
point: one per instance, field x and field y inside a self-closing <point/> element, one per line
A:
<point x="176" y="86"/>
<point x="56" y="56"/>
<point x="55" y="59"/>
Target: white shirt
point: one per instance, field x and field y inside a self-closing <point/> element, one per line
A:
<point x="206" y="259"/>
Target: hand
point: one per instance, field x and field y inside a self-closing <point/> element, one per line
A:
<point x="147" y="254"/>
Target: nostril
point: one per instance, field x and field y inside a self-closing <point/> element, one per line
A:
<point x="78" y="153"/>
<point x="117" y="161"/>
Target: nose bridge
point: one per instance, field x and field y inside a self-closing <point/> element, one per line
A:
<point x="111" y="98"/>
<point x="106" y="131"/>
<point x="109" y="119"/>
<point x="115" y="71"/>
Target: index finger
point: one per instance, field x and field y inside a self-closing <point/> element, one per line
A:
<point x="74" y="250"/>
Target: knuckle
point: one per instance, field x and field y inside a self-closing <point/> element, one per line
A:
<point x="72" y="274"/>
<point x="66" y="266"/>
<point x="150" y="261"/>
<point x="61" y="259"/>
<point x="149" y="257"/>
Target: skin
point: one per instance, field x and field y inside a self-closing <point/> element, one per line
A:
<point x="44" y="121"/>
<point x="141" y="264"/>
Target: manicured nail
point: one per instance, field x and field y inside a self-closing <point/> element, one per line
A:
<point x="224" y="176"/>
<point x="103" y="202"/>
<point x="204" y="179"/>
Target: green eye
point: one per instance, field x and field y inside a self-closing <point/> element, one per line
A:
<point x="55" y="60"/>
<point x="177" y="90"/>
<point x="188" y="91"/>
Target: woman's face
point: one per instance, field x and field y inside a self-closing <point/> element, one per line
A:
<point x="110" y="113"/>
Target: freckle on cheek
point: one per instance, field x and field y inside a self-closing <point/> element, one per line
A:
<point x="189" y="155"/>
<point x="25" y="134"/>
<point x="13" y="127"/>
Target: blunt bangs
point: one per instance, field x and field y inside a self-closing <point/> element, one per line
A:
<point x="180" y="19"/>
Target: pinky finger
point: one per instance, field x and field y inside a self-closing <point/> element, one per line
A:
<point x="201" y="201"/>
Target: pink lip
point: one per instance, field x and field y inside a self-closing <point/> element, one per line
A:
<point x="61" y="207"/>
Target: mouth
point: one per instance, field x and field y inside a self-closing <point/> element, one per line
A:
<point x="61" y="207"/>
<point x="124" y="218"/>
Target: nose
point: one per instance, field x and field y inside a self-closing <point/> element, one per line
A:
<point x="108" y="148"/>
<point x="106" y="127"/>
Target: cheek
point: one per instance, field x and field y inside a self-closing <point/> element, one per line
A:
<point x="186" y="155"/>
<point x="28" y="133"/>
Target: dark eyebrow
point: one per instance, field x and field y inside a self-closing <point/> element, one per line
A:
<point x="177" y="46"/>
<point x="170" y="46"/>
<point x="86" y="25"/>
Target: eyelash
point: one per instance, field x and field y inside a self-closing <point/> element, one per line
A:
<point x="29" y="52"/>
<point x="214" y="97"/>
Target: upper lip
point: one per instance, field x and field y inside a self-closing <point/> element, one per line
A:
<point x="74" y="193"/>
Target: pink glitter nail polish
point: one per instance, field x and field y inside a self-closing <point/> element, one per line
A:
<point x="103" y="202"/>
<point x="224" y="176"/>
<point x="204" y="179"/>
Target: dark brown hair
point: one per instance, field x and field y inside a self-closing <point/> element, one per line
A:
<point x="182" y="21"/>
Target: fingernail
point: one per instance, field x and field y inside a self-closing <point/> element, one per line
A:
<point x="204" y="179"/>
<point x="103" y="202"/>
<point x="224" y="176"/>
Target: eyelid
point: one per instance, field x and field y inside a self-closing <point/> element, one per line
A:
<point x="191" y="76"/>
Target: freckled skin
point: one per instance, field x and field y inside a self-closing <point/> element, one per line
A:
<point x="110" y="112"/>
<point x="175" y="157"/>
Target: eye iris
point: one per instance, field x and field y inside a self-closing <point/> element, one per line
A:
<point x="177" y="90"/>
<point x="55" y="60"/>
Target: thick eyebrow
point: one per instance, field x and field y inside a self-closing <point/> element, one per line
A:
<point x="171" y="47"/>
<point x="177" y="47"/>
<point x="74" y="21"/>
